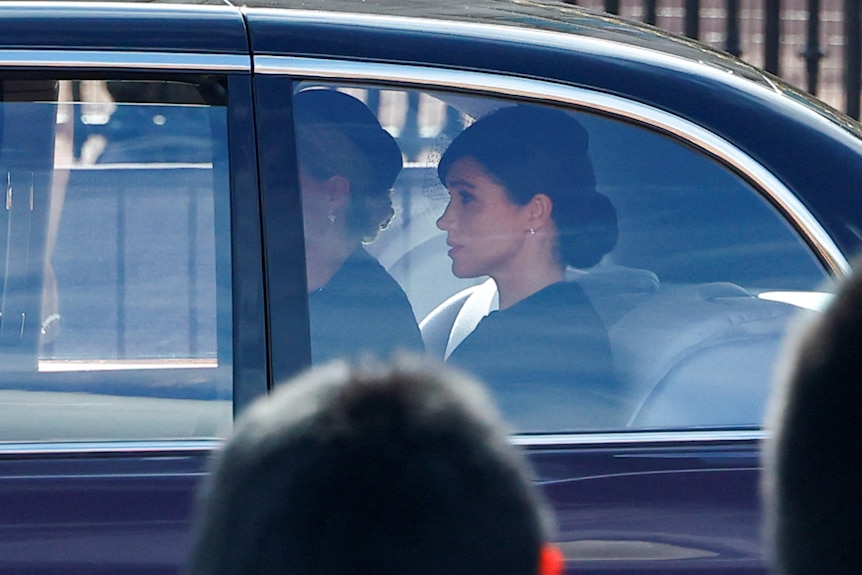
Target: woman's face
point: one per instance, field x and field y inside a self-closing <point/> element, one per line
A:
<point x="485" y="230"/>
<point x="323" y="202"/>
<point x="314" y="199"/>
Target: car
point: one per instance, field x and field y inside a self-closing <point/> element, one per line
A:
<point x="155" y="255"/>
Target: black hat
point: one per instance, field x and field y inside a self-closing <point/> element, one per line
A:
<point x="526" y="146"/>
<point x="373" y="154"/>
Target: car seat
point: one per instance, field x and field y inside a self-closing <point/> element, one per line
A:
<point x="686" y="355"/>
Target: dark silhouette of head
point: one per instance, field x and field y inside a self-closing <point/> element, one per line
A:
<point x="371" y="468"/>
<point x="813" y="461"/>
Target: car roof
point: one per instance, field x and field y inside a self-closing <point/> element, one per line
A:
<point x="210" y="27"/>
<point x="540" y="15"/>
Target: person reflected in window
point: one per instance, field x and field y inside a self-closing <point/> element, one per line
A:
<point x="347" y="166"/>
<point x="523" y="206"/>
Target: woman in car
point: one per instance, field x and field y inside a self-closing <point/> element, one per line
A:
<point x="523" y="207"/>
<point x="347" y="166"/>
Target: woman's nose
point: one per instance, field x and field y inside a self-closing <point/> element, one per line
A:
<point x="444" y="221"/>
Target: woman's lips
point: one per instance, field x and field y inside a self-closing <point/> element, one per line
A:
<point x="454" y="248"/>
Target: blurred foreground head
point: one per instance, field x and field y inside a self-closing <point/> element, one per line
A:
<point x="813" y="462"/>
<point x="372" y="469"/>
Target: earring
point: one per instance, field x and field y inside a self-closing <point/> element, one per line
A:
<point x="331" y="218"/>
<point x="532" y="232"/>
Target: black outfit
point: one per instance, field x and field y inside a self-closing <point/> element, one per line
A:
<point x="362" y="309"/>
<point x="547" y="360"/>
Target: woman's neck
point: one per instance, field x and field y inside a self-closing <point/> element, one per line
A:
<point x="519" y="286"/>
<point x="323" y="260"/>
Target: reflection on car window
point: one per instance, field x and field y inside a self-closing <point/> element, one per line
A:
<point x="114" y="323"/>
<point x="596" y="274"/>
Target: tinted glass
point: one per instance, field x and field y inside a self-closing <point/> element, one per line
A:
<point x="116" y="313"/>
<point x="597" y="275"/>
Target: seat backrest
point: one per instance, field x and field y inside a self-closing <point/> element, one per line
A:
<point x="436" y="327"/>
<point x="615" y="290"/>
<point x="686" y="355"/>
<point x="699" y="355"/>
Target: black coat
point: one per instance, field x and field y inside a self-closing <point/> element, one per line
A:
<point x="547" y="359"/>
<point x="362" y="309"/>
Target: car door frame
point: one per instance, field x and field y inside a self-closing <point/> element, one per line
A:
<point x="126" y="506"/>
<point x="613" y="492"/>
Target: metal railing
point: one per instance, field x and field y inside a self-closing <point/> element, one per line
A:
<point x="812" y="44"/>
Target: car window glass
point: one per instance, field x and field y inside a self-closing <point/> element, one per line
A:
<point x="115" y="311"/>
<point x="657" y="297"/>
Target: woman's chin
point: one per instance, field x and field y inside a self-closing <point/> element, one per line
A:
<point x="464" y="272"/>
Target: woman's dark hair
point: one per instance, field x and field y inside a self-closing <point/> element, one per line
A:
<point x="338" y="135"/>
<point x="532" y="150"/>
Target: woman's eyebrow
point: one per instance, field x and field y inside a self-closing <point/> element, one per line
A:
<point x="461" y="183"/>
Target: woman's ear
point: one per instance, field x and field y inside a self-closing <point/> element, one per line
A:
<point x="338" y="192"/>
<point x="539" y="210"/>
<point x="551" y="560"/>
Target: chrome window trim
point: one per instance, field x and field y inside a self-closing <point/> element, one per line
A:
<point x="635" y="437"/>
<point x="175" y="447"/>
<point x="122" y="6"/>
<point x="118" y="60"/>
<point x="203" y="447"/>
<point x="547" y="91"/>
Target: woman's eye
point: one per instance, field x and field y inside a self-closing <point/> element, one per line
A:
<point x="466" y="197"/>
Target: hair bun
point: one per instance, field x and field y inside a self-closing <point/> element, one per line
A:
<point x="590" y="232"/>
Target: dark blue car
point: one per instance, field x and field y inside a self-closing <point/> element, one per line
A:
<point x="154" y="253"/>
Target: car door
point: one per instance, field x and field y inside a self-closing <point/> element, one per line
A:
<point x="133" y="313"/>
<point x="710" y="268"/>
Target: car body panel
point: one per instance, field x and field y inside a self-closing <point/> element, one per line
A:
<point x="126" y="506"/>
<point x="134" y="27"/>
<point x="672" y="500"/>
<point x="656" y="507"/>
<point x="98" y="509"/>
